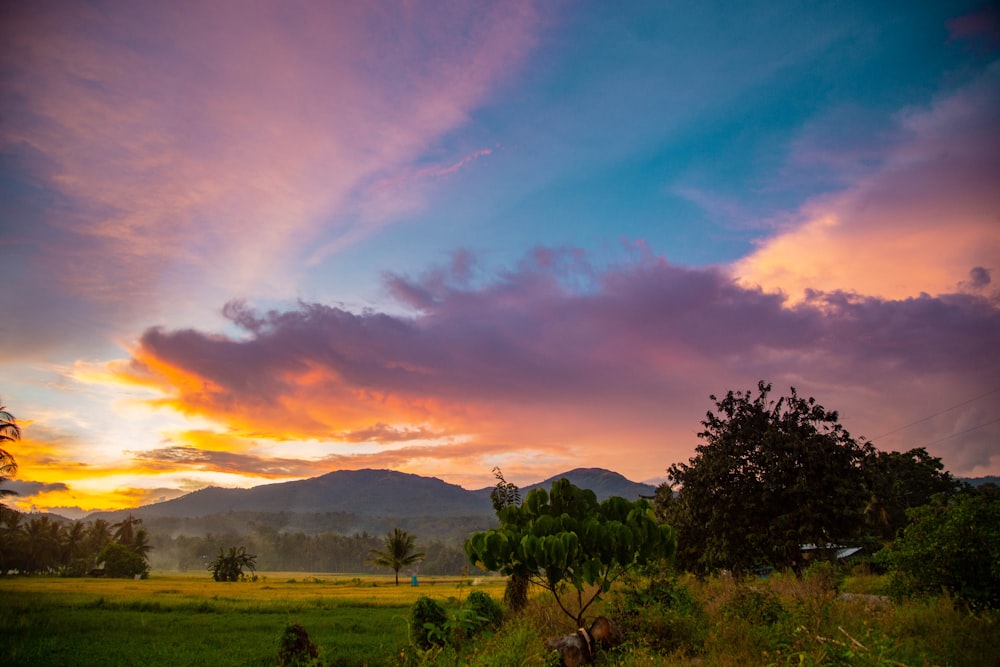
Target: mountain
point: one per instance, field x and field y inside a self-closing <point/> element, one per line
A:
<point x="604" y="483"/>
<point x="367" y="493"/>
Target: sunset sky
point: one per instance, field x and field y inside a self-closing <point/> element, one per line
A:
<point x="248" y="242"/>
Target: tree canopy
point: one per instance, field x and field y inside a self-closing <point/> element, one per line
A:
<point x="565" y="541"/>
<point x="901" y="481"/>
<point x="769" y="477"/>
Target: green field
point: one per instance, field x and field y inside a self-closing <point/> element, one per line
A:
<point x="781" y="621"/>
<point x="172" y="619"/>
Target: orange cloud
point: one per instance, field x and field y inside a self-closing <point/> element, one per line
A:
<point x="921" y="222"/>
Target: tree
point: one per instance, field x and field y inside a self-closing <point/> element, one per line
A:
<point x="900" y="482"/>
<point x="950" y="544"/>
<point x="229" y="567"/>
<point x="566" y="541"/>
<point x="9" y="432"/>
<point x="506" y="494"/>
<point x="398" y="552"/>
<point x="120" y="562"/>
<point x="770" y="477"/>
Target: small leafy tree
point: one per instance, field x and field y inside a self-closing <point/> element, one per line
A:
<point x="770" y="477"/>
<point x="398" y="552"/>
<point x="566" y="541"/>
<point x="230" y="566"/>
<point x="952" y="545"/>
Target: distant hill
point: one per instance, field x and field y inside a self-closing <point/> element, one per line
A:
<point x="979" y="481"/>
<point x="357" y="497"/>
<point x="604" y="483"/>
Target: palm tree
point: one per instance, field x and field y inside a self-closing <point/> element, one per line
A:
<point x="398" y="552"/>
<point x="98" y="536"/>
<point x="9" y="432"/>
<point x="125" y="530"/>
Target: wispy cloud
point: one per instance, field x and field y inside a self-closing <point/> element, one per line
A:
<point x="214" y="153"/>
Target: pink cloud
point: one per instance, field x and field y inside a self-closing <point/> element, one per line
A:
<point x="616" y="374"/>
<point x="919" y="221"/>
<point x="196" y="148"/>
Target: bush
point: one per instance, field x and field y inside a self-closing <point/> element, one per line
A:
<point x="427" y="623"/>
<point x="759" y="606"/>
<point x="486" y="612"/>
<point x="296" y="650"/>
<point x="951" y="545"/>
<point x="120" y="562"/>
<point x="662" y="614"/>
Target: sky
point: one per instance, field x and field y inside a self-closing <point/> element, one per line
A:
<point x="252" y="242"/>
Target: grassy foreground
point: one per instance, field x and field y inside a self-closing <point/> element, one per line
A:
<point x="192" y="620"/>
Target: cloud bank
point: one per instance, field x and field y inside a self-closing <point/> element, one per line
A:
<point x="561" y="362"/>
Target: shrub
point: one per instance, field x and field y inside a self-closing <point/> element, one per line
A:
<point x="296" y="650"/>
<point x="759" y="606"/>
<point x="120" y="562"/>
<point x="661" y="613"/>
<point x="951" y="545"/>
<point x="486" y="612"/>
<point x="427" y="623"/>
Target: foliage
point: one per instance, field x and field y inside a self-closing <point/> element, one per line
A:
<point x="504" y="495"/>
<point x="485" y="611"/>
<point x="900" y="482"/>
<point x="119" y="561"/>
<point x="660" y="612"/>
<point x="950" y="545"/>
<point x="427" y="621"/>
<point x="177" y="619"/>
<point x="230" y="566"/>
<point x="398" y="552"/>
<point x="9" y="432"/>
<point x="566" y="540"/>
<point x="295" y="649"/>
<point x="769" y="477"/>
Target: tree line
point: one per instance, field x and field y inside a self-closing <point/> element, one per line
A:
<point x="278" y="551"/>
<point x="39" y="545"/>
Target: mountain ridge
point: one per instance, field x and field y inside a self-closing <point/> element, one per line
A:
<point x="368" y="492"/>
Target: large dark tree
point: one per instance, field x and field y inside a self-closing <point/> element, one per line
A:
<point x="901" y="481"/>
<point x="398" y="553"/>
<point x="769" y="477"/>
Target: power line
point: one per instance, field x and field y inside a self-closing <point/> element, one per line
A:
<point x="937" y="414"/>
<point x="968" y="430"/>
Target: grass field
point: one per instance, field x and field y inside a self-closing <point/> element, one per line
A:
<point x="172" y="619"/>
<point x="175" y="619"/>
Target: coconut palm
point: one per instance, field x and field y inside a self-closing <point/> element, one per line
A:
<point x="398" y="552"/>
<point x="9" y="432"/>
<point x="125" y="530"/>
